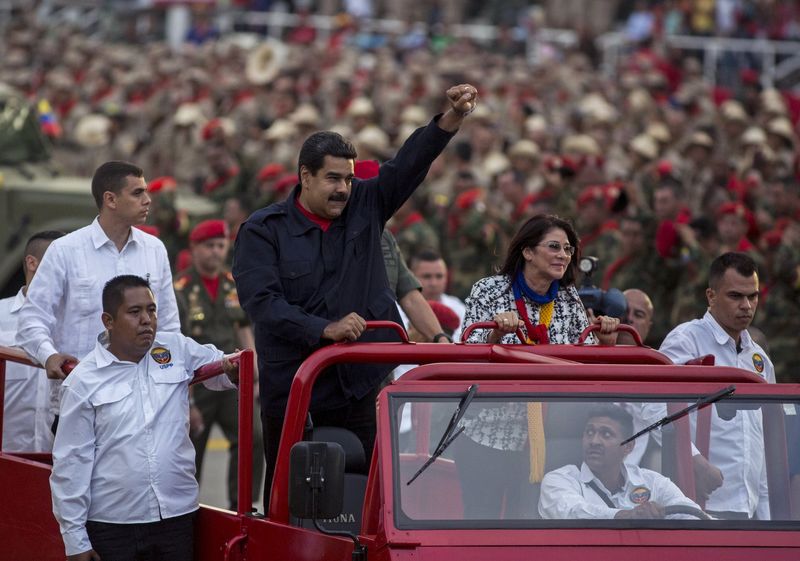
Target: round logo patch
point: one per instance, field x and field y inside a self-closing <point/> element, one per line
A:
<point x="161" y="355"/>
<point x="758" y="363"/>
<point x="640" y="495"/>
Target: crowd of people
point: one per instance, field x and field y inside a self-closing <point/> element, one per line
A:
<point x="659" y="173"/>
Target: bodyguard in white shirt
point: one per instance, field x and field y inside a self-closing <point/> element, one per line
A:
<point x="431" y="270"/>
<point x="60" y="320"/>
<point x="734" y="477"/>
<point x="26" y="416"/>
<point x="605" y="486"/>
<point x="123" y="480"/>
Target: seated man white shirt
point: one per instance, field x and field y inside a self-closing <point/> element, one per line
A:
<point x="605" y="486"/>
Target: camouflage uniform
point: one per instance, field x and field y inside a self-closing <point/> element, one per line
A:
<point x="216" y="322"/>
<point x="602" y="243"/>
<point x="779" y="315"/>
<point x="474" y="245"/>
<point x="401" y="279"/>
<point x="415" y="234"/>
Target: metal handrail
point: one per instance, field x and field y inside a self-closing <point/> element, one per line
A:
<point x="244" y="358"/>
<point x="613" y="43"/>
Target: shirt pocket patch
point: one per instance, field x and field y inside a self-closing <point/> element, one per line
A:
<point x="83" y="289"/>
<point x="113" y="413"/>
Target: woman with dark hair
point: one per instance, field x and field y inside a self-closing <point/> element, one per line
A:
<point x="535" y="290"/>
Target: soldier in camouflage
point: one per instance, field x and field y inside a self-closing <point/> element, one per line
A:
<point x="210" y="313"/>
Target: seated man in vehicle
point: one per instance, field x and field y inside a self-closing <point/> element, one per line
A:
<point x="604" y="486"/>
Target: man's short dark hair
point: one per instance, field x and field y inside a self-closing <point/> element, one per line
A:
<point x="321" y="144"/>
<point x="37" y="243"/>
<point x="111" y="176"/>
<point x="424" y="255"/>
<point x="615" y="413"/>
<point x="740" y="262"/>
<point x="114" y="291"/>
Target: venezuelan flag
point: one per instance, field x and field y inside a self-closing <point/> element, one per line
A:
<point x="47" y="119"/>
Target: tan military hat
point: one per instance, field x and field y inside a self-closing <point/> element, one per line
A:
<point x="645" y="146"/>
<point x="360" y="107"/>
<point x="732" y="110"/>
<point x="281" y="129"/>
<point x="524" y="149"/>
<point x="93" y="130"/>
<point x="700" y="138"/>
<point x="754" y="136"/>
<point x="659" y="132"/>
<point x="306" y="115"/>
<point x="782" y="127"/>
<point x="582" y="144"/>
<point x="265" y="62"/>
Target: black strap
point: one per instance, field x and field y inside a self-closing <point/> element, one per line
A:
<point x="601" y="494"/>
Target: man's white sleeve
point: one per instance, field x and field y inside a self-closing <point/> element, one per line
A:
<point x="73" y="462"/>
<point x="168" y="317"/>
<point x="37" y="317"/>
<point x="197" y="355"/>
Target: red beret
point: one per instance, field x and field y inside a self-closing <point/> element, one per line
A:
<point x="285" y="183"/>
<point x="664" y="168"/>
<point x="366" y="169"/>
<point x="149" y="229"/>
<point x="448" y="319"/>
<point x="208" y="229"/>
<point x="210" y="127"/>
<point x="749" y="76"/>
<point x="772" y="238"/>
<point x="271" y="171"/>
<point x="165" y="182"/>
<point x="734" y="208"/>
<point x="592" y="193"/>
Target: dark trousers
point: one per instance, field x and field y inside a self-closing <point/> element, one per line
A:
<point x="170" y="539"/>
<point x="493" y="482"/>
<point x="222" y="408"/>
<point x="358" y="417"/>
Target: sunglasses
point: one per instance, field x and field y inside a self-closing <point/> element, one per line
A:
<point x="556" y="247"/>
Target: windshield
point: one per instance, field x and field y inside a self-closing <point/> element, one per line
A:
<point x="548" y="461"/>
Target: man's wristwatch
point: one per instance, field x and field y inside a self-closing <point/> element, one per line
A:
<point x="436" y="338"/>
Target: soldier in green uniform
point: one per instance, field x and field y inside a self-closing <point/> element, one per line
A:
<point x="781" y="318"/>
<point x="635" y="265"/>
<point x="210" y="313"/>
<point x="412" y="230"/>
<point x="474" y="243"/>
<point x="599" y="235"/>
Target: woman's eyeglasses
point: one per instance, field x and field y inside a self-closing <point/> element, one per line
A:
<point x="556" y="247"/>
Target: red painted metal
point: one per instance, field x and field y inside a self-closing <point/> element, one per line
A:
<point x="396" y="327"/>
<point x="629" y="329"/>
<point x="246" y="399"/>
<point x="488" y="325"/>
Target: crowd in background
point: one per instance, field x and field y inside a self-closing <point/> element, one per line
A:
<point x="659" y="170"/>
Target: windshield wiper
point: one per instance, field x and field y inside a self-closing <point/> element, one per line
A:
<point x="708" y="400"/>
<point x="450" y="433"/>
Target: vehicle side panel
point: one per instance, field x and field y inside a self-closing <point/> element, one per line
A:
<point x="28" y="529"/>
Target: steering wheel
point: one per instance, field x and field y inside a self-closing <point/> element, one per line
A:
<point x="685" y="509"/>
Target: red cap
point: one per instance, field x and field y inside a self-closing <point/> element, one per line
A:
<point x="366" y="169"/>
<point x="208" y="229"/>
<point x="165" y="183"/>
<point x="149" y="229"/>
<point x="772" y="238"/>
<point x="735" y="208"/>
<point x="749" y="76"/>
<point x="210" y="127"/>
<point x="448" y="319"/>
<point x="664" y="168"/>
<point x="285" y="183"/>
<point x="271" y="171"/>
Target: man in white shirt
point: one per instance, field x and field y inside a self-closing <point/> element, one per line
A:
<point x="123" y="482"/>
<point x="26" y="418"/>
<point x="733" y="478"/>
<point x="605" y="486"/>
<point x="431" y="270"/>
<point x="60" y="319"/>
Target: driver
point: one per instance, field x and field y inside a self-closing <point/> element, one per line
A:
<point x="604" y="486"/>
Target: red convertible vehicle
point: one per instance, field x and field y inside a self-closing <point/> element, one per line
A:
<point x="408" y="501"/>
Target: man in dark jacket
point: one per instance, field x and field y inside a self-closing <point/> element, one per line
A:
<point x="309" y="272"/>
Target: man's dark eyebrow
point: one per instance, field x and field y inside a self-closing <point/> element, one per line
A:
<point x="737" y="294"/>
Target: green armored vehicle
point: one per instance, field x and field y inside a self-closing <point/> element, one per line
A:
<point x="34" y="196"/>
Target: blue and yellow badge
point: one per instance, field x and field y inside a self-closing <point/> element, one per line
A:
<point x="640" y="495"/>
<point x="758" y="362"/>
<point x="161" y="355"/>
